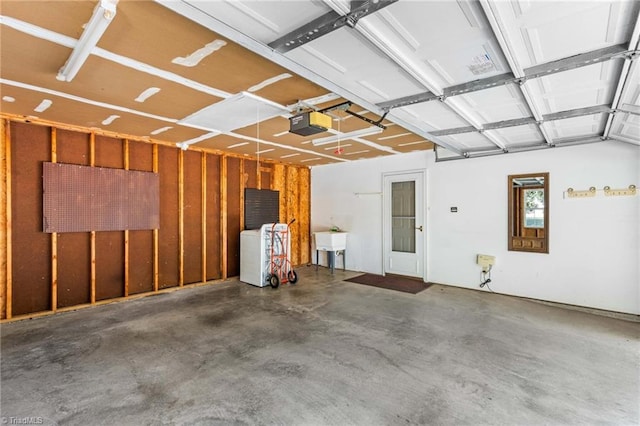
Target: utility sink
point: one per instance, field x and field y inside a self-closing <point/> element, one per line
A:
<point x="331" y="241"/>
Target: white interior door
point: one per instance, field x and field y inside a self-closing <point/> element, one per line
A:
<point x="404" y="224"/>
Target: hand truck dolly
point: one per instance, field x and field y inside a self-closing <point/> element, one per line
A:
<point x="280" y="269"/>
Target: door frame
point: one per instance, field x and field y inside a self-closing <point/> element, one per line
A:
<point x="386" y="195"/>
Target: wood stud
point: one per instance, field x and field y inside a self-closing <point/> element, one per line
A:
<point x="243" y="184"/>
<point x="125" y="154"/>
<point x="92" y="163"/>
<point x="304" y="215"/>
<point x="54" y="235"/>
<point x="181" y="216"/>
<point x="156" y="242"/>
<point x="292" y="208"/>
<point x="223" y="216"/>
<point x="203" y="179"/>
<point x="5" y="208"/>
<point x="9" y="291"/>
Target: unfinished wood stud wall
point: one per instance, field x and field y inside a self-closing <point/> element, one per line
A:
<point x="202" y="196"/>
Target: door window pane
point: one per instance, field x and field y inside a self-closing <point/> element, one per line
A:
<point x="403" y="216"/>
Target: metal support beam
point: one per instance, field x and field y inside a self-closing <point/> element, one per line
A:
<point x="477" y="149"/>
<point x="308" y="32"/>
<point x="572" y="62"/>
<point x="489" y="151"/>
<point x="622" y="139"/>
<point x="628" y="111"/>
<point x="509" y="123"/>
<point x="580" y="140"/>
<point x="623" y="80"/>
<point x="327" y="23"/>
<point x="578" y="112"/>
<point x="455" y="131"/>
<point x="408" y="100"/>
<point x="562" y="115"/>
<point x="482" y="84"/>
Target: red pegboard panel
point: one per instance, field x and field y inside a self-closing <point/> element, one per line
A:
<point x="82" y="199"/>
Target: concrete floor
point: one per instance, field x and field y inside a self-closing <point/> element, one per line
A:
<point x="321" y="352"/>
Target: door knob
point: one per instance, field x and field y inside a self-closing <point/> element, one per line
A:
<point x="419" y="228"/>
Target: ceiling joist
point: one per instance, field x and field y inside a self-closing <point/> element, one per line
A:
<point x="562" y="115"/>
<point x="327" y="23"/>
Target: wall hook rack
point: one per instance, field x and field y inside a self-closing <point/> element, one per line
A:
<point x="631" y="190"/>
<point x="572" y="193"/>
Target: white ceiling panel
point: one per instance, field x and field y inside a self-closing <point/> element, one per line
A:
<point x="453" y="39"/>
<point x="497" y="104"/>
<point x="630" y="99"/>
<point x="349" y="60"/>
<point x="543" y="31"/>
<point x="435" y="115"/>
<point x="588" y="125"/>
<point x="263" y="20"/>
<point x="626" y="127"/>
<point x="234" y="113"/>
<point x="578" y="88"/>
<point x="520" y="135"/>
<point x="469" y="140"/>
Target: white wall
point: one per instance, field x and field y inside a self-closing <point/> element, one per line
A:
<point x="334" y="203"/>
<point x="593" y="242"/>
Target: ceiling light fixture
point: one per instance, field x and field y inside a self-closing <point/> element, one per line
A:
<point x="373" y="130"/>
<point x="103" y="14"/>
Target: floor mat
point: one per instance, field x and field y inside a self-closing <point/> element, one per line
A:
<point x="391" y="282"/>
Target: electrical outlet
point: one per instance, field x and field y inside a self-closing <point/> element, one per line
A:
<point x="486" y="261"/>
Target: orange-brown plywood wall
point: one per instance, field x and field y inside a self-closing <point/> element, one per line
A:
<point x="201" y="217"/>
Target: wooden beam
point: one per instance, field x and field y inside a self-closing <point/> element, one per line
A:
<point x="92" y="149"/>
<point x="181" y="214"/>
<point x="203" y="178"/>
<point x="304" y="226"/>
<point x="125" y="155"/>
<point x="9" y="291"/>
<point x="126" y="262"/>
<point x="243" y="183"/>
<point x="92" y="163"/>
<point x="156" y="246"/>
<point x="223" y="216"/>
<point x="293" y="211"/>
<point x="54" y="235"/>
<point x="5" y="205"/>
<point x="258" y="178"/>
<point x="279" y="183"/>
<point x="260" y="170"/>
<point x="54" y="145"/>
